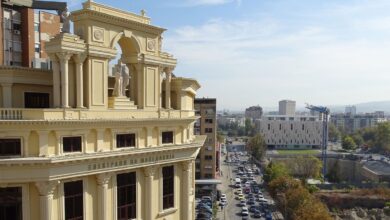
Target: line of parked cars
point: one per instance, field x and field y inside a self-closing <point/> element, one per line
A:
<point x="204" y="208"/>
<point x="249" y="195"/>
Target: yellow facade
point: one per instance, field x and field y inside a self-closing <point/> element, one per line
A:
<point x="80" y="105"/>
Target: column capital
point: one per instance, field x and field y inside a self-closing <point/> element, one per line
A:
<point x="150" y="171"/>
<point x="186" y="165"/>
<point x="46" y="188"/>
<point x="64" y="56"/>
<point x="52" y="56"/>
<point x="80" y="57"/>
<point x="168" y="70"/>
<point x="103" y="179"/>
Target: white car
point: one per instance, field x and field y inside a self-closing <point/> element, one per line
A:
<point x="244" y="211"/>
<point x="223" y="196"/>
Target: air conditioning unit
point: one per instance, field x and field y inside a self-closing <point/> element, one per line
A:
<point x="16" y="32"/>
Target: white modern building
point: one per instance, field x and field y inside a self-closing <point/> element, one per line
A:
<point x="290" y="131"/>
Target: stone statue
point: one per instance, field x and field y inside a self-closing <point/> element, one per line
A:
<point x="118" y="79"/>
<point x="65" y="21"/>
<point x="125" y="78"/>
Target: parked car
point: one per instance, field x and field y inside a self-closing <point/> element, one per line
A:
<point x="257" y="214"/>
<point x="244" y="211"/>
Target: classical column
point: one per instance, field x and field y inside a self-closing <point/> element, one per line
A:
<point x="186" y="191"/>
<point x="46" y="190"/>
<point x="131" y="83"/>
<point x="64" y="58"/>
<point x="102" y="182"/>
<point x="168" y="72"/>
<point x="7" y="95"/>
<point x="149" y="176"/>
<point x="79" y="60"/>
<point x="56" y="81"/>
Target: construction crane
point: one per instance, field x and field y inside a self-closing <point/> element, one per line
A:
<point x="324" y="112"/>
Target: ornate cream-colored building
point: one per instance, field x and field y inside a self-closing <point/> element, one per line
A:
<point x="70" y="149"/>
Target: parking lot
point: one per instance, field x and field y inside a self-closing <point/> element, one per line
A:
<point x="242" y="186"/>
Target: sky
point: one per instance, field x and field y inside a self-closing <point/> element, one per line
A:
<point x="257" y="52"/>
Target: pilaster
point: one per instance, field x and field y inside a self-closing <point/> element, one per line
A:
<point x="43" y="143"/>
<point x="79" y="61"/>
<point x="149" y="173"/>
<point x="46" y="190"/>
<point x="56" y="80"/>
<point x="186" y="186"/>
<point x="168" y="72"/>
<point x="102" y="183"/>
<point x="64" y="65"/>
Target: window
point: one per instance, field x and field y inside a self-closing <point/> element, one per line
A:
<point x="36" y="27"/>
<point x="292" y="126"/>
<point x="269" y="126"/>
<point x="208" y="157"/>
<point x="167" y="137"/>
<point x="36" y="100"/>
<point x="280" y="126"/>
<point x="37" y="48"/>
<point x="71" y="144"/>
<point x="73" y="195"/>
<point x="10" y="147"/>
<point x="303" y="127"/>
<point x="11" y="203"/>
<point x="208" y="130"/>
<point x="168" y="187"/>
<point x="126" y="196"/>
<point x="125" y="140"/>
<point x="208" y="121"/>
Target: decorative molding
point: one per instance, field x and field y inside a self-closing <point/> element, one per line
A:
<point x="103" y="179"/>
<point x="186" y="165"/>
<point x="150" y="44"/>
<point x="47" y="187"/>
<point x="64" y="56"/>
<point x="98" y="34"/>
<point x="150" y="171"/>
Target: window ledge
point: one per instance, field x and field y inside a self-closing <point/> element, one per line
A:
<point x="167" y="212"/>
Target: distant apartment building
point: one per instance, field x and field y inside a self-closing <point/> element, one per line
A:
<point x="24" y="32"/>
<point x="351" y="123"/>
<point x="253" y="112"/>
<point x="290" y="131"/>
<point x="351" y="110"/>
<point x="226" y="120"/>
<point x="208" y="160"/>
<point x="287" y="107"/>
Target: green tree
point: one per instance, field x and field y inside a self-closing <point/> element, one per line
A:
<point x="305" y="167"/>
<point x="334" y="133"/>
<point x="358" y="139"/>
<point x="249" y="128"/>
<point x="333" y="174"/>
<point x="348" y="143"/>
<point x="382" y="137"/>
<point x="257" y="147"/>
<point x="275" y="170"/>
<point x="281" y="184"/>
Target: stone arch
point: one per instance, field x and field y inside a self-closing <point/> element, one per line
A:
<point x="128" y="43"/>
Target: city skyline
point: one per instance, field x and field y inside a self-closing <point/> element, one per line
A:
<point x="257" y="52"/>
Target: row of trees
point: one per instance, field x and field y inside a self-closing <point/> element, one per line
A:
<point x="293" y="196"/>
<point x="376" y="138"/>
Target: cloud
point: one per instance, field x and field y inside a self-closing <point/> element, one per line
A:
<point x="191" y="3"/>
<point x="260" y="60"/>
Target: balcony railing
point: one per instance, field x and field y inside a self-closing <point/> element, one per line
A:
<point x="87" y="114"/>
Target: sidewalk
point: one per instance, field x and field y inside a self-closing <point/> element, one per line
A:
<point x="225" y="189"/>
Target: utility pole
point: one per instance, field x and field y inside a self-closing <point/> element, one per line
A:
<point x="324" y="112"/>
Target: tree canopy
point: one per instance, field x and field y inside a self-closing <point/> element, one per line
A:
<point x="348" y="143"/>
<point x="257" y="147"/>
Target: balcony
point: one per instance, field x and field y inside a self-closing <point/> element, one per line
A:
<point x="86" y="114"/>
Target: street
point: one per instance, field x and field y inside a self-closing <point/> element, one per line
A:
<point x="233" y="210"/>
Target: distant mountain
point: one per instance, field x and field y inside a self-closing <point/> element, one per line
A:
<point x="365" y="107"/>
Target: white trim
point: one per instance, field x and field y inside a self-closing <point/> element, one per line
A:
<point x="62" y="196"/>
<point x="161" y="130"/>
<point x="25" y="198"/>
<point x="115" y="132"/>
<point x="83" y="144"/>
<point x="163" y="212"/>
<point x="22" y="147"/>
<point x="115" y="193"/>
